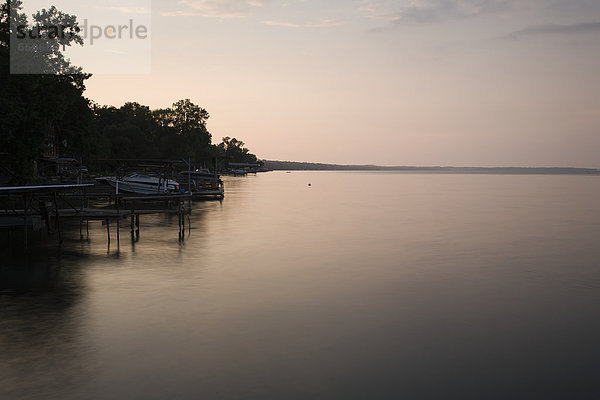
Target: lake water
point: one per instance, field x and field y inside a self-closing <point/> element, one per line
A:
<point x="363" y="285"/>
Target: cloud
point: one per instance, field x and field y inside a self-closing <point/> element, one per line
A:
<point x="421" y="11"/>
<point x="225" y="9"/>
<point x="320" y="24"/>
<point x="556" y="30"/>
<point x="131" y="10"/>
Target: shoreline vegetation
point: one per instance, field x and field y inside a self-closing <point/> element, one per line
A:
<point x="75" y="127"/>
<point x="307" y="166"/>
<point x="45" y="114"/>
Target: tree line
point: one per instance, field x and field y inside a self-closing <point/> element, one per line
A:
<point x="33" y="106"/>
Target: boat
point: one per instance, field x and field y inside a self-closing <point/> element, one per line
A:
<point x="203" y="182"/>
<point x="238" y="172"/>
<point x="141" y="184"/>
<point x="203" y="173"/>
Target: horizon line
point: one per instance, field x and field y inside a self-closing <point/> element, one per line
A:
<point x="424" y="166"/>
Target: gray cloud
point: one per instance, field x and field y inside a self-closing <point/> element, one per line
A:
<point x="224" y="9"/>
<point x="319" y="24"/>
<point x="556" y="30"/>
<point x="131" y="10"/>
<point x="420" y="11"/>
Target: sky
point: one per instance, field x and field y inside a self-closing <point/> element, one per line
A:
<point x="406" y="82"/>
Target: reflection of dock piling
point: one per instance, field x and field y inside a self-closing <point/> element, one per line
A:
<point x="56" y="203"/>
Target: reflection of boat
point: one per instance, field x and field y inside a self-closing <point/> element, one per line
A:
<point x="141" y="184"/>
<point x="238" y="172"/>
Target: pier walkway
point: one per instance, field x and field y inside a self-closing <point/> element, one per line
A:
<point x="46" y="206"/>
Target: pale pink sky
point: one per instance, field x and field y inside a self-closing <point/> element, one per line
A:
<point x="415" y="82"/>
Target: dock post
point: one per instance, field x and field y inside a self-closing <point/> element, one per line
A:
<point x="131" y="222"/>
<point x="57" y="215"/>
<point x="118" y="218"/>
<point x="189" y="221"/>
<point x="25" y="219"/>
<point x="83" y="199"/>
<point x="180" y="217"/>
<point x="183" y="221"/>
<point x="190" y="182"/>
<point x="108" y="230"/>
<point x="137" y="225"/>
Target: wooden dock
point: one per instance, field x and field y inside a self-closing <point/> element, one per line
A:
<point x="35" y="207"/>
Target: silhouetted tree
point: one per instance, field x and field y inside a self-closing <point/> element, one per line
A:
<point x="234" y="151"/>
<point x="31" y="105"/>
<point x="47" y="95"/>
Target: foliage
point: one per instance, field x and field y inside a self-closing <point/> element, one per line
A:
<point x="189" y="121"/>
<point x="34" y="105"/>
<point x="234" y="151"/>
<point x="136" y="131"/>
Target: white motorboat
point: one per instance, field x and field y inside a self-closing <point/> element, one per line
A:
<point x="141" y="184"/>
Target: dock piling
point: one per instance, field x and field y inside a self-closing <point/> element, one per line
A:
<point x="75" y="206"/>
<point x="108" y="230"/>
<point x="57" y="216"/>
<point x="131" y="222"/>
<point x="25" y="219"/>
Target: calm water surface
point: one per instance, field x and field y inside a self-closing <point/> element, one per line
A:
<point x="364" y="285"/>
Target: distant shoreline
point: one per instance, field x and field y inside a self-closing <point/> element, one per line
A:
<point x="306" y="166"/>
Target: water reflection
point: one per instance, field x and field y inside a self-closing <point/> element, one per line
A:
<point x="442" y="286"/>
<point x="47" y="348"/>
<point x="42" y="309"/>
